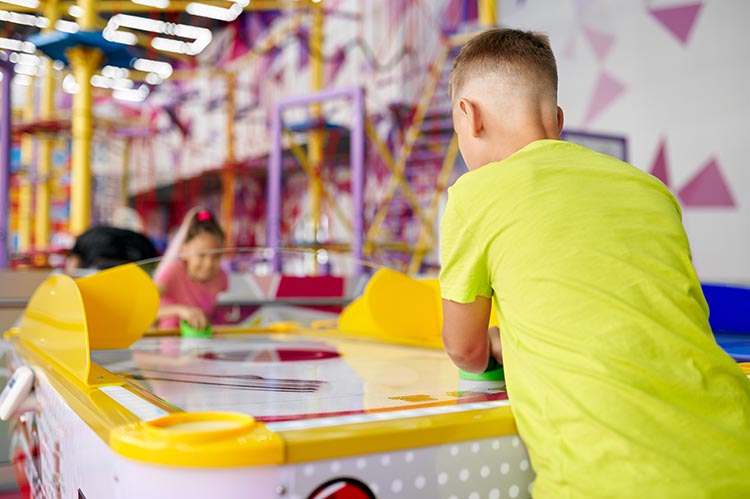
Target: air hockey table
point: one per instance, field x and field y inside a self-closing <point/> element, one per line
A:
<point x="366" y="406"/>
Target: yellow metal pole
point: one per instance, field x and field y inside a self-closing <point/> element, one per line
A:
<point x="25" y="188"/>
<point x="87" y="19"/>
<point x="125" y="176"/>
<point x="83" y="63"/>
<point x="487" y="13"/>
<point x="44" y="165"/>
<point x="397" y="178"/>
<point x="307" y="168"/>
<point x="427" y="234"/>
<point x="315" y="137"/>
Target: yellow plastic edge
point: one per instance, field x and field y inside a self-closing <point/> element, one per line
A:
<point x="235" y="440"/>
<point x="98" y="410"/>
<point x="397" y="434"/>
<point x="66" y="318"/>
<point x="54" y="322"/>
<point x="120" y="304"/>
<point x="397" y="308"/>
<point x="251" y="444"/>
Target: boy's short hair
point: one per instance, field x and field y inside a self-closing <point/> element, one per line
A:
<point x="102" y="247"/>
<point x="526" y="53"/>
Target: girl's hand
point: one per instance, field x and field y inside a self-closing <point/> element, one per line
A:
<point x="194" y="316"/>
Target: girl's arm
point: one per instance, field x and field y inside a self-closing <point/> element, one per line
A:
<point x="194" y="316"/>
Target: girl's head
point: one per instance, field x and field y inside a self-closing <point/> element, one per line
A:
<point x="200" y="248"/>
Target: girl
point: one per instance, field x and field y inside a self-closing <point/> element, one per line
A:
<point x="190" y="282"/>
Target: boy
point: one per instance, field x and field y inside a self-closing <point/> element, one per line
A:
<point x="102" y="247"/>
<point x="617" y="385"/>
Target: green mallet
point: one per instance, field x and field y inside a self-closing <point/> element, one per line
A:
<point x="187" y="331"/>
<point x="493" y="372"/>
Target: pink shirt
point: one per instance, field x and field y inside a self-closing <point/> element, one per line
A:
<point x="180" y="289"/>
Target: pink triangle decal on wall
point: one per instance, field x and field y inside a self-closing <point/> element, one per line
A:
<point x="678" y="20"/>
<point x="581" y="6"/>
<point x="707" y="189"/>
<point x="600" y="42"/>
<point x="569" y="49"/>
<point x="607" y="90"/>
<point x="266" y="284"/>
<point x="659" y="168"/>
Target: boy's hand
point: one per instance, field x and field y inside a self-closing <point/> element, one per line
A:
<point x="496" y="348"/>
<point x="194" y="316"/>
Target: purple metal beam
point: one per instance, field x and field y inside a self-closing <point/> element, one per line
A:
<point x="356" y="163"/>
<point x="273" y="215"/>
<point x="6" y="69"/>
<point x="303" y="100"/>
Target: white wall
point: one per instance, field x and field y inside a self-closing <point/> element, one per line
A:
<point x="690" y="94"/>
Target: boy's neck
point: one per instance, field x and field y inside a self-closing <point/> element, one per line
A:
<point x="509" y="144"/>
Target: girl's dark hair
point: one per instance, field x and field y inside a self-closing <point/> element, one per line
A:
<point x="204" y="222"/>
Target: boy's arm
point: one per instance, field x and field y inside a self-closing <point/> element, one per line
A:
<point x="465" y="336"/>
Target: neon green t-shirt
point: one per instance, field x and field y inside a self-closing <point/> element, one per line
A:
<point x="617" y="385"/>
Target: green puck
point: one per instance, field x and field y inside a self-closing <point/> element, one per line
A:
<point x="493" y="372"/>
<point x="187" y="331"/>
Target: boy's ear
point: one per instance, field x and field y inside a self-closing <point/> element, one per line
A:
<point x="560" y="120"/>
<point x="472" y="115"/>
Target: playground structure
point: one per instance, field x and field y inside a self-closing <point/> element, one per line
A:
<point x="409" y="149"/>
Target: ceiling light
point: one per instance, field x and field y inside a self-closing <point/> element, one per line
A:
<point x="124" y="37"/>
<point x="163" y="69"/>
<point x="136" y="22"/>
<point x="31" y="4"/>
<point x="159" y="4"/>
<point x="121" y="84"/>
<point x="99" y="81"/>
<point x="17" y="45"/>
<point x="26" y="59"/>
<point x="213" y="12"/>
<point x="21" y="79"/>
<point x="201" y="36"/>
<point x="113" y="83"/>
<point x="25" y="19"/>
<point x="170" y="45"/>
<point x="131" y="95"/>
<point x="75" y="11"/>
<point x="154" y="79"/>
<point x="70" y="85"/>
<point x="66" y="26"/>
<point x="26" y="69"/>
<point x="115" y="72"/>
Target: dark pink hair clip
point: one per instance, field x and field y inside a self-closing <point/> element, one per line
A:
<point x="204" y="215"/>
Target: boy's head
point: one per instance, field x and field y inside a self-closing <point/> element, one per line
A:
<point x="524" y="57"/>
<point x="102" y="247"/>
<point x="503" y="87"/>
